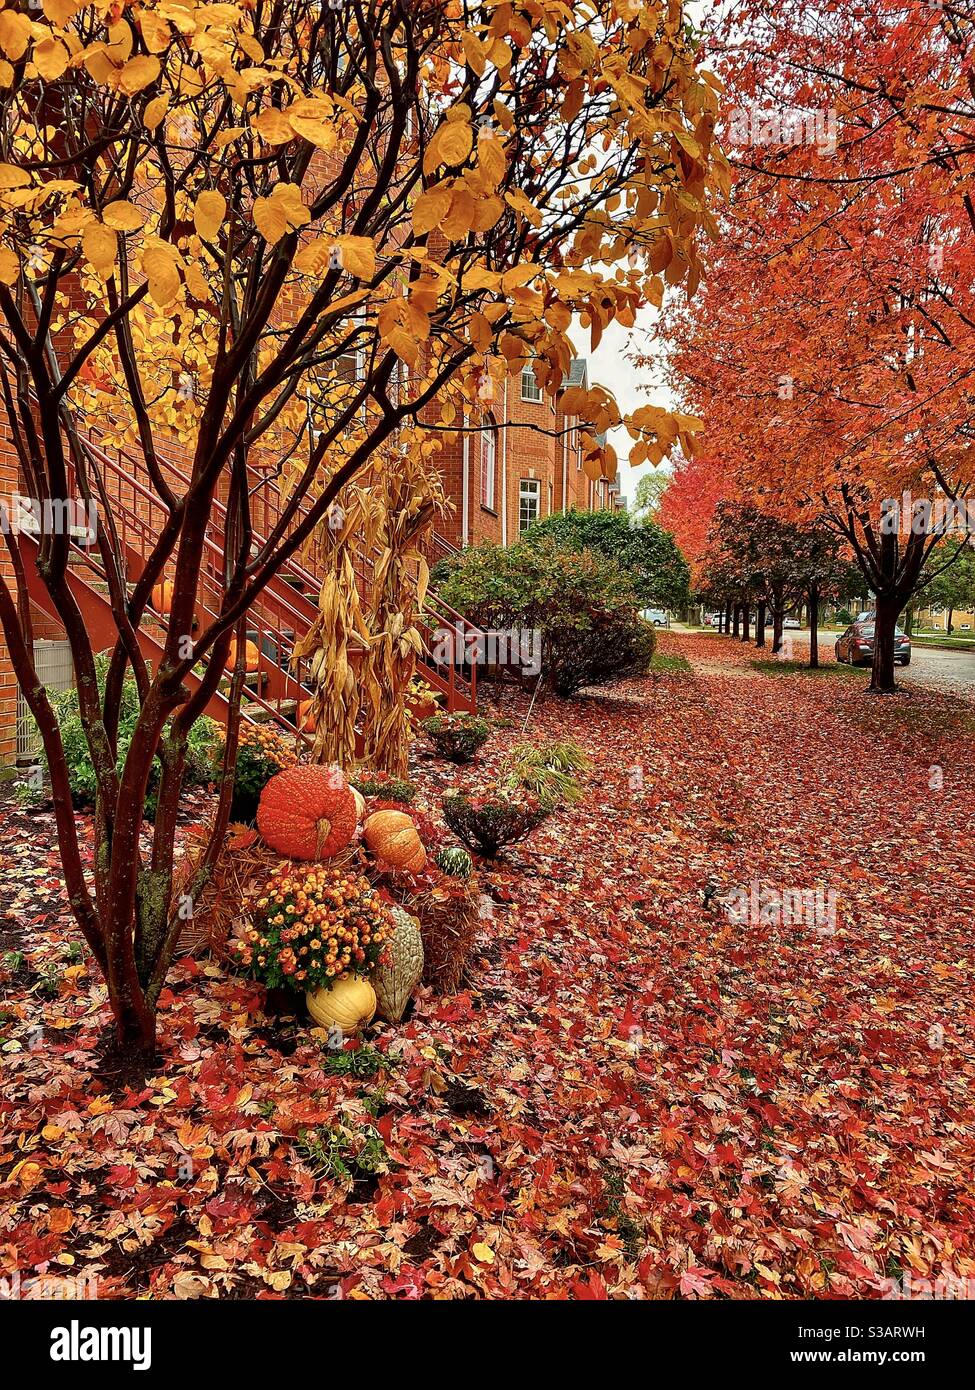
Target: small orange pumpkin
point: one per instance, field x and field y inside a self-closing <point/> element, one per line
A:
<point x="392" y="837"/>
<point x="306" y="721"/>
<point x="307" y="812"/>
<point x="252" y="657"/>
<point x="162" y="596"/>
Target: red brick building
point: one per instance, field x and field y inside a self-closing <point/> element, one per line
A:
<point x="524" y="465"/>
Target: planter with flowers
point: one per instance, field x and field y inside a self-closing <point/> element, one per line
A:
<point x="261" y="752"/>
<point x="321" y="930"/>
<point x="457" y="737"/>
<point x="422" y="701"/>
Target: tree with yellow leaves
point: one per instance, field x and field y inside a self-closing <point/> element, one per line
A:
<point x="274" y="238"/>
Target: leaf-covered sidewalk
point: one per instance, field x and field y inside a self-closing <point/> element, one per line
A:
<point x="640" y="1094"/>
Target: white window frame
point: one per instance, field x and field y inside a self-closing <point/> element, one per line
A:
<point x="529" y="489"/>
<point x="530" y="389"/>
<point x="489" y="469"/>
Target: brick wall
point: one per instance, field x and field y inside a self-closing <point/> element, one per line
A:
<point x="534" y="443"/>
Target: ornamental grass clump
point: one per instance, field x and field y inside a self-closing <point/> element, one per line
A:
<point x="488" y="822"/>
<point x="547" y="772"/>
<point x="315" y="925"/>
<point x="457" y="737"/>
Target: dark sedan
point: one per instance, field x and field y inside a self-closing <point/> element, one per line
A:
<point x="856" y="646"/>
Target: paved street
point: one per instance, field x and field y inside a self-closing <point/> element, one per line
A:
<point x="943" y="670"/>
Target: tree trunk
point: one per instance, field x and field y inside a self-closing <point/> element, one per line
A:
<point x="727" y="618"/>
<point x="951" y="614"/>
<point x="760" y="626"/>
<point x="778" y="617"/>
<point x="813" y="609"/>
<point x="135" y="1026"/>
<point x="736" y="623"/>
<point x="885" y="621"/>
<point x="746" y="614"/>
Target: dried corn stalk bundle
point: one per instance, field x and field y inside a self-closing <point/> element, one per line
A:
<point x="405" y="498"/>
<point x="334" y="645"/>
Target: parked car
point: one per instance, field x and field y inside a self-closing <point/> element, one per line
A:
<point x="657" y="616"/>
<point x="866" y="615"/>
<point x="715" y="619"/>
<point x="856" y="646"/>
<point x="791" y="623"/>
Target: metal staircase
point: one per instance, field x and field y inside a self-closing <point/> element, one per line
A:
<point x="282" y="614"/>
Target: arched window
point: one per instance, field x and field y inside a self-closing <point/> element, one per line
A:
<point x="489" y="464"/>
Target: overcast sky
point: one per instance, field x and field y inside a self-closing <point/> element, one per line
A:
<point x="609" y="367"/>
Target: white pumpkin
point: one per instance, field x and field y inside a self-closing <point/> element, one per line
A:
<point x="350" y="1002"/>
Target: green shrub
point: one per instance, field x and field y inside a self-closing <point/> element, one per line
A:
<point x="385" y="785"/>
<point x="585" y="607"/>
<point x="81" y="775"/>
<point x="646" y="553"/>
<point x="844" y="617"/>
<point x="456" y="736"/>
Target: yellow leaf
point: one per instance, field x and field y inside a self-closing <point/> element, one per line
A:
<point x="313" y="258"/>
<point x="155" y="31"/>
<point x="358" y="256"/>
<point x="123" y="216"/>
<point x="14" y="33"/>
<point x="138" y="73"/>
<point x="51" y="58"/>
<point x="12" y="177"/>
<point x="273" y="126"/>
<point x="196" y="282"/>
<point x="270" y="219"/>
<point x="9" y="266"/>
<point x="160" y="265"/>
<point x="284" y="210"/>
<point x="311" y="118"/>
<point x="208" y="215"/>
<point x="483" y="1252"/>
<point x="451" y="144"/>
<point x="523" y="205"/>
<point x="431" y="208"/>
<point x="459" y="221"/>
<point x="100" y="245"/>
<point x="60" y="11"/>
<point x="474" y="52"/>
<point x="154" y="112"/>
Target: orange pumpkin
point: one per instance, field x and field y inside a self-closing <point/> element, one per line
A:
<point x="252" y="658"/>
<point x="162" y="596"/>
<point x="307" y="812"/>
<point x="306" y="721"/>
<point x="392" y="837"/>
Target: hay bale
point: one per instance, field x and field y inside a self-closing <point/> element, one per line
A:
<point x="447" y="911"/>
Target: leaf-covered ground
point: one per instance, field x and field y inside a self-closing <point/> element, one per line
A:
<point x="638" y="1095"/>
